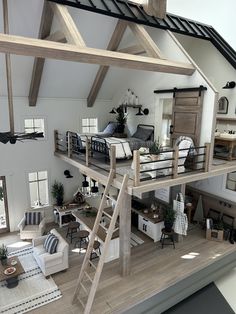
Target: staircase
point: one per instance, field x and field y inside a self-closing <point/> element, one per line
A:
<point x="87" y="283"/>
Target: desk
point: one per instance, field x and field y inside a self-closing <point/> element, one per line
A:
<point x="230" y="143"/>
<point x="66" y="211"/>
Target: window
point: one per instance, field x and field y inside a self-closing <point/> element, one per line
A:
<point x="38" y="186"/>
<point x="89" y="125"/>
<point x="34" y="125"/>
<point x="231" y="181"/>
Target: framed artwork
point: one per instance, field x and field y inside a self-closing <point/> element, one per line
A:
<point x="223" y="104"/>
<point x="163" y="194"/>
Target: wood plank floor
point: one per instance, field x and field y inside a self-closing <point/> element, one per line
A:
<point x="153" y="270"/>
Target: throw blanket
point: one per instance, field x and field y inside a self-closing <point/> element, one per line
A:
<point x="122" y="146"/>
<point x="187" y="143"/>
<point x="181" y="223"/>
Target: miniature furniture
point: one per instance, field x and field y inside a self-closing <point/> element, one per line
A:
<point x="82" y="239"/>
<point x="32" y="225"/>
<point x="72" y="228"/>
<point x="229" y="144"/>
<point x="96" y="250"/>
<point x="167" y="235"/>
<point x="51" y="263"/>
<point x="12" y="279"/>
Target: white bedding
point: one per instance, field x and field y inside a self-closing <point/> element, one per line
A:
<point x="122" y="146"/>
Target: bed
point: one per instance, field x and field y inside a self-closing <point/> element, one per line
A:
<point x="143" y="137"/>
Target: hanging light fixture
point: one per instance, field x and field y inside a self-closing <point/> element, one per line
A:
<point x="94" y="188"/>
<point x="85" y="186"/>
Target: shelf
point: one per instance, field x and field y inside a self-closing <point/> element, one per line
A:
<point x="229" y="120"/>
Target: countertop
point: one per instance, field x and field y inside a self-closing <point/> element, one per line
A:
<point x="148" y="216"/>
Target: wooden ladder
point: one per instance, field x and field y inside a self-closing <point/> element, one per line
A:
<point x="85" y="277"/>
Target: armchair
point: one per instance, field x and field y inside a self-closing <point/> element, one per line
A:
<point x="32" y="225"/>
<point x="51" y="263"/>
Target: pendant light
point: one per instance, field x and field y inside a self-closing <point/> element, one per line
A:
<point x="94" y="188"/>
<point x="85" y="186"/>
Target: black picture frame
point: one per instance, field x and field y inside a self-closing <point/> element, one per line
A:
<point x="223" y="104"/>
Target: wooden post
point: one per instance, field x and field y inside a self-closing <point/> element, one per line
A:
<point x="113" y="159"/>
<point x="175" y="162"/>
<point x="207" y="156"/>
<point x="56" y="141"/>
<point x="136" y="163"/>
<point x="155" y="8"/>
<point x="125" y="234"/>
<point x="87" y="151"/>
<point x="69" y="144"/>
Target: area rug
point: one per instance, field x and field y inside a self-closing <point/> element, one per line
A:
<point x="135" y="240"/>
<point x="33" y="290"/>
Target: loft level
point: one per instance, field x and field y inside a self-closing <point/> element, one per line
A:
<point x="145" y="174"/>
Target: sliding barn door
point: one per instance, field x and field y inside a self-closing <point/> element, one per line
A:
<point x="187" y="115"/>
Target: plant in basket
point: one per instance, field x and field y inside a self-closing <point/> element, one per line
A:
<point x="169" y="218"/>
<point x="155" y="150"/>
<point x="57" y="192"/>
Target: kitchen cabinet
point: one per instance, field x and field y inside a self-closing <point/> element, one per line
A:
<point x="152" y="230"/>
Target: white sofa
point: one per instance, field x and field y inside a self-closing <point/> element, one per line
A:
<point x="51" y="263"/>
<point x="28" y="231"/>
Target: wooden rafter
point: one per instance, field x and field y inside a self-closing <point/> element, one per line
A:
<point x="145" y="40"/>
<point x="47" y="49"/>
<point x="44" y="32"/>
<point x="134" y="50"/>
<point x="155" y="8"/>
<point x="8" y="69"/>
<point x="69" y="28"/>
<point x="102" y="71"/>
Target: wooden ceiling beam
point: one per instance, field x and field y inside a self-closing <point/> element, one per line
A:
<point x="47" y="49"/>
<point x="145" y="40"/>
<point x="44" y="32"/>
<point x="102" y="71"/>
<point x="8" y="70"/>
<point x="58" y="36"/>
<point x="133" y="50"/>
<point x="69" y="28"/>
<point x="155" y="8"/>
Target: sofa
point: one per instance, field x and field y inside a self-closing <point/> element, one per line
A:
<point x="51" y="263"/>
<point x="31" y="228"/>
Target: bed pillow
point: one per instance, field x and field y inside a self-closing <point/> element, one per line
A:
<point x="110" y="128"/>
<point x="143" y="134"/>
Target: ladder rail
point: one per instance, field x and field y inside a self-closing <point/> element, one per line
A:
<point x="93" y="235"/>
<point x="106" y="246"/>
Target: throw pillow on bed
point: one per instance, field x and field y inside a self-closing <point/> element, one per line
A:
<point x="143" y="134"/>
<point x="51" y="243"/>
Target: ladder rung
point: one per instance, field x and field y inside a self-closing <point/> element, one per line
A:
<point x="84" y="288"/>
<point x="92" y="264"/>
<point x="103" y="227"/>
<point x="108" y="215"/>
<point x="87" y="275"/>
<point x="82" y="303"/>
<point x="116" y="229"/>
<point x="112" y="198"/>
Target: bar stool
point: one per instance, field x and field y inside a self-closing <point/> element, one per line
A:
<point x="167" y="235"/>
<point x="83" y="239"/>
<point x="72" y="228"/>
<point x="96" y="250"/>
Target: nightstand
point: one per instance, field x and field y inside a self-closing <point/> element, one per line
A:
<point x="120" y="135"/>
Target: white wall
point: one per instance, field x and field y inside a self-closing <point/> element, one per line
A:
<point x="19" y="159"/>
<point x="144" y="83"/>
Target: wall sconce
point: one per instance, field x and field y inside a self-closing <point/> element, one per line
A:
<point x="113" y="110"/>
<point x="229" y="85"/>
<point x="142" y="112"/>
<point x="85" y="186"/>
<point x="67" y="174"/>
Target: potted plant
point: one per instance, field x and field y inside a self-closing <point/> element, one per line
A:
<point x="57" y="192"/>
<point x="3" y="254"/>
<point x="121" y="119"/>
<point x="169" y="218"/>
<point x="155" y="150"/>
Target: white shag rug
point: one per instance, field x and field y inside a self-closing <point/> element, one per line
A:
<point x="33" y="290"/>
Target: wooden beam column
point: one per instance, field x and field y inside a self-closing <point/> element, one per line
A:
<point x="125" y="235"/>
<point x="8" y="69"/>
<point x="101" y="74"/>
<point x="155" y="8"/>
<point x="44" y="31"/>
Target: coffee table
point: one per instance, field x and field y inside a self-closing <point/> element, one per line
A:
<point x="12" y="280"/>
